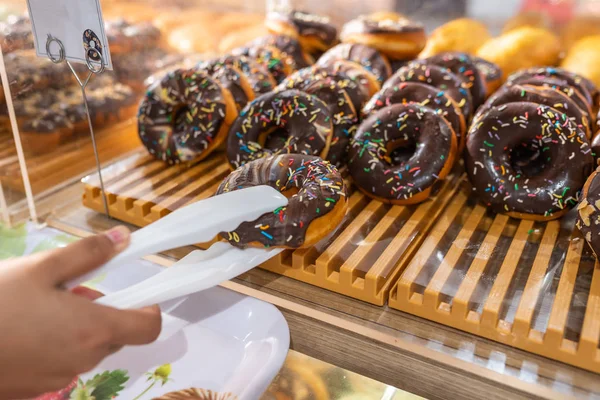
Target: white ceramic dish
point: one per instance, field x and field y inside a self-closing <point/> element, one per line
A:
<point x="216" y="340"/>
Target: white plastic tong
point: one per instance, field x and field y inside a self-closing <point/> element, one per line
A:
<point x="199" y="270"/>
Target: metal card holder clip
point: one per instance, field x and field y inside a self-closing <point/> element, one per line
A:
<point x="93" y="69"/>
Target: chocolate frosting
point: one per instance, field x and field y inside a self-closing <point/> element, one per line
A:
<point x="303" y="119"/>
<point x="181" y="115"/>
<point x="229" y="77"/>
<point x="490" y="71"/>
<point x="133" y="37"/>
<point x="368" y="57"/>
<point x="278" y="63"/>
<point x="439" y="77"/>
<point x="258" y="76"/>
<point x="464" y="67"/>
<point x="541" y="95"/>
<point x="344" y="117"/>
<point x="28" y="73"/>
<point x="527" y="158"/>
<point x="366" y="25"/>
<point x="588" y="212"/>
<point x="357" y="93"/>
<point x="16" y="34"/>
<point x="308" y="25"/>
<point x="319" y="186"/>
<point x="560" y="76"/>
<point x="561" y="86"/>
<point x="424" y="95"/>
<point x="411" y="125"/>
<point x="596" y="148"/>
<point x="288" y="46"/>
<point x="48" y="122"/>
<point x="137" y="66"/>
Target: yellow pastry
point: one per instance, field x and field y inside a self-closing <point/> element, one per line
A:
<point x="578" y="28"/>
<point x="521" y="48"/>
<point x="464" y="34"/>
<point x="240" y="37"/>
<point x="584" y="58"/>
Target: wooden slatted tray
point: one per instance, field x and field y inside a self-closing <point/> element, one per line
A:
<point x="69" y="160"/>
<point x="531" y="285"/>
<point x="361" y="259"/>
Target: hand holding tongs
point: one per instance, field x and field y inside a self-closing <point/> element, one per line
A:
<point x="199" y="270"/>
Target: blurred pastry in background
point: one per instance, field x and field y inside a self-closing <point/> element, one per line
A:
<point x="16" y="34"/>
<point x="316" y="33"/>
<point x="579" y="27"/>
<point x="464" y="35"/>
<point x="194" y="38"/>
<point x="134" y="12"/>
<point x="530" y="18"/>
<point x="240" y="37"/>
<point x="521" y="48"/>
<point x="492" y="74"/>
<point x="392" y="34"/>
<point x="583" y="58"/>
<point x="171" y="19"/>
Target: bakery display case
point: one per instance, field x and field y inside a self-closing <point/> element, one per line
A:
<point x="431" y="276"/>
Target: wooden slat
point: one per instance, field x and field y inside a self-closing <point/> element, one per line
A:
<point x="413" y="269"/>
<point x="127" y="177"/>
<point x="463" y="295"/>
<point x="491" y="309"/>
<point x="562" y="301"/>
<point x="377" y="234"/>
<point x="324" y="262"/>
<point x="531" y="292"/>
<point x="435" y="286"/>
<point x="590" y="332"/>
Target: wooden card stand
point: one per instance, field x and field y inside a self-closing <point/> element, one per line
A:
<point x="361" y="259"/>
<point x="531" y="285"/>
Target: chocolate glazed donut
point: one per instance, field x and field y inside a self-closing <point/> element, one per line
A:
<point x="442" y="78"/>
<point x="316" y="33"/>
<point x="280" y="122"/>
<point x="428" y="145"/>
<point x="288" y="46"/>
<point x="585" y="87"/>
<point x="540" y="95"/>
<point x="464" y="67"/>
<point x="588" y="221"/>
<point x="424" y="95"/>
<point x="368" y="57"/>
<point x="355" y="90"/>
<point x="259" y="77"/>
<point x="277" y="62"/>
<point x="492" y="74"/>
<point x="184" y="116"/>
<point x="527" y="160"/>
<point x="344" y="116"/>
<point x="317" y="207"/>
<point x="231" y="79"/>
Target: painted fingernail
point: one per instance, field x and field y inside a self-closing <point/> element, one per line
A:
<point x="119" y="236"/>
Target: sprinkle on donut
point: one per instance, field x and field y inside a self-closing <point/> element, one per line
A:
<point x="290" y="121"/>
<point x="319" y="192"/>
<point x="527" y="160"/>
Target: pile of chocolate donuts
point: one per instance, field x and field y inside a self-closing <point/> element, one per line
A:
<point x="284" y="122"/>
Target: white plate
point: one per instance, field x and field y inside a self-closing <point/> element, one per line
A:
<point x="216" y="340"/>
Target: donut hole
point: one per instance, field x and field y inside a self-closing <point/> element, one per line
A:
<point x="400" y="151"/>
<point x="527" y="159"/>
<point x="179" y="114"/>
<point x="275" y="139"/>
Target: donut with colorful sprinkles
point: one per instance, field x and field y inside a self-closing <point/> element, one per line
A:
<point x="258" y="76"/>
<point x="290" y="121"/>
<point x="442" y="78"/>
<point x="230" y="78"/>
<point x="588" y="212"/>
<point x="184" y="116"/>
<point x="464" y="67"/>
<point x="276" y="61"/>
<point x="540" y="95"/>
<point x="368" y="57"/>
<point x="492" y="74"/>
<point x="527" y="160"/>
<point x="343" y="114"/>
<point x="317" y="203"/>
<point x="400" y="152"/>
<point x="425" y="95"/>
